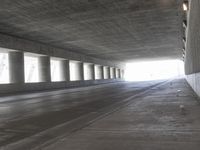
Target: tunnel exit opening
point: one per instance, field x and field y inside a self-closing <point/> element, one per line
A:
<point x="4" y="68"/>
<point x="154" y="70"/>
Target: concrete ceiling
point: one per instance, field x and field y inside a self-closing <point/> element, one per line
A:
<point x="121" y="30"/>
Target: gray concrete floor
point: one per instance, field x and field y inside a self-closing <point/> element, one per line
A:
<point x="124" y="116"/>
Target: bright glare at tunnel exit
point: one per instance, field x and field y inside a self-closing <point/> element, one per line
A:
<point x="154" y="70"/>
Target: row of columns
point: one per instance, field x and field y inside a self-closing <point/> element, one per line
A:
<point x="104" y="72"/>
<point x="16" y="65"/>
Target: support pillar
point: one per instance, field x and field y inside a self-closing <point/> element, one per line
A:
<point x="115" y="73"/>
<point x="44" y="69"/>
<point x="65" y="75"/>
<point x="102" y="72"/>
<point x="110" y="70"/>
<point x="93" y="71"/>
<point x="120" y="76"/>
<point x="16" y="66"/>
<point x="109" y="75"/>
<point x="81" y="71"/>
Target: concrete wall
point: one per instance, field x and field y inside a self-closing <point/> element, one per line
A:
<point x="192" y="58"/>
<point x="194" y="81"/>
<point x="16" y="48"/>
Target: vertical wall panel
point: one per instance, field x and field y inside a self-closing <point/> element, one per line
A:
<point x="192" y="59"/>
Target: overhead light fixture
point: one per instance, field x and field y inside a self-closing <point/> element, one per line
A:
<point x="185" y="6"/>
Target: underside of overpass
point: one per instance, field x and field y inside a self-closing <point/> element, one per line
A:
<point x="62" y="65"/>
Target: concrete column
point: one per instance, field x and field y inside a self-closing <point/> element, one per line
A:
<point x="120" y="73"/>
<point x="115" y="73"/>
<point x="111" y="72"/>
<point x="44" y="69"/>
<point x="81" y="71"/>
<point x="65" y="75"/>
<point x="16" y="66"/>
<point x="109" y="75"/>
<point x="102" y="72"/>
<point x="93" y="71"/>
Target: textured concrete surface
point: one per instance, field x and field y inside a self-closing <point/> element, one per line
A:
<point x="194" y="81"/>
<point x="108" y="29"/>
<point x="154" y="121"/>
<point x="140" y="116"/>
<point x="192" y="61"/>
<point x="30" y="116"/>
<point x="44" y="69"/>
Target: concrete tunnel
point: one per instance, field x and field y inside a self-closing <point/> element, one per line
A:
<point x="62" y="75"/>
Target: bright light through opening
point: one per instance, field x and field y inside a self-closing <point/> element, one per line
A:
<point x="185" y="7"/>
<point x="56" y="70"/>
<point x="88" y="68"/>
<point x="4" y="68"/>
<point x="154" y="70"/>
<point x="98" y="72"/>
<point x="75" y="71"/>
<point x="31" y="69"/>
